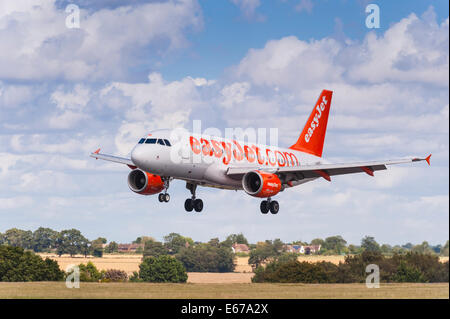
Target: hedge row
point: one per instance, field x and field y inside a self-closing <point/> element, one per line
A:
<point x="410" y="267"/>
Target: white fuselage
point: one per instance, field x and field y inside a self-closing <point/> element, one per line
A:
<point x="204" y="160"/>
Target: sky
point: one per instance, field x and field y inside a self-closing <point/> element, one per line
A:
<point x="133" y="66"/>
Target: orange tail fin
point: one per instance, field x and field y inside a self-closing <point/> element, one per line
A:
<point x="313" y="135"/>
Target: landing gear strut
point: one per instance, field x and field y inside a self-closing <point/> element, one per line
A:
<point x="165" y="197"/>
<point x="193" y="203"/>
<point x="269" y="205"/>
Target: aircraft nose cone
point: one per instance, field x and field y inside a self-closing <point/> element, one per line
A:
<point x="137" y="156"/>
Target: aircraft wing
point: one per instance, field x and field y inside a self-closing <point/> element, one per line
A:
<point x="111" y="158"/>
<point x="326" y="170"/>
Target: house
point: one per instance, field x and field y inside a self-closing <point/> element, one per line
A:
<point x="300" y="249"/>
<point x="307" y="250"/>
<point x="129" y="248"/>
<point x="240" y="248"/>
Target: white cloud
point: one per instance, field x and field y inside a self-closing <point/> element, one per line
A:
<point x="305" y="5"/>
<point x="248" y="9"/>
<point x="37" y="45"/>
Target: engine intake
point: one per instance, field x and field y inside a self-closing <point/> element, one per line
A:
<point x="145" y="183"/>
<point x="261" y="184"/>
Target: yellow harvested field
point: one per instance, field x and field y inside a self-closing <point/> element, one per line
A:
<point x="221" y="291"/>
<point x="129" y="263"/>
<point x="125" y="262"/>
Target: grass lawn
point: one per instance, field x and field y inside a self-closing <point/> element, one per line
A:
<point x="233" y="290"/>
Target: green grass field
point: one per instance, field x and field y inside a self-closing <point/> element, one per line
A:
<point x="221" y="291"/>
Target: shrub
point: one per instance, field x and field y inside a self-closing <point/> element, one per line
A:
<point x="406" y="273"/>
<point x="207" y="258"/>
<point x="114" y="275"/>
<point x="162" y="269"/>
<point x="19" y="265"/>
<point x="296" y="272"/>
<point x="89" y="273"/>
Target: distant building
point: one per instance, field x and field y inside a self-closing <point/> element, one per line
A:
<point x="240" y="248"/>
<point x="307" y="250"/>
<point x="300" y="249"/>
<point x="129" y="248"/>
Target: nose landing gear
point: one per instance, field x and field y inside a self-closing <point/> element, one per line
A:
<point x="269" y="205"/>
<point x="165" y="197"/>
<point x="193" y="203"/>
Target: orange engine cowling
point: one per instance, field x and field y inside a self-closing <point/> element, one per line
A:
<point x="145" y="183"/>
<point x="261" y="184"/>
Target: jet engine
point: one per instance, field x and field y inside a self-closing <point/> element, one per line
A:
<point x="261" y="184"/>
<point x="145" y="183"/>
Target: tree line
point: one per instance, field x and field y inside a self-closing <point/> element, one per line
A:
<point x="72" y="242"/>
<point x="69" y="241"/>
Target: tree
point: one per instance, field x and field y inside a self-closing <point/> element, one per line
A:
<point x="89" y="272"/>
<point x="162" y="269"/>
<point x="386" y="249"/>
<point x="19" y="238"/>
<point x="16" y="264"/>
<point x="335" y="243"/>
<point x="112" y="247"/>
<point x="263" y="252"/>
<point x="72" y="242"/>
<point x="154" y="249"/>
<point x="408" y="246"/>
<point x="175" y="242"/>
<point x="235" y="239"/>
<point x="207" y="258"/>
<point x="143" y="240"/>
<point x="353" y="249"/>
<point x="44" y="239"/>
<point x="423" y="248"/>
<point x="96" y="247"/>
<point x="369" y="244"/>
<point x="318" y="241"/>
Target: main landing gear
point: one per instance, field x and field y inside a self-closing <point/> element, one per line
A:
<point x="269" y="205"/>
<point x="164" y="197"/>
<point x="193" y="203"/>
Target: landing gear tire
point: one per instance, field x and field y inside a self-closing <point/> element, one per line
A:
<point x="166" y="197"/>
<point x="274" y="207"/>
<point x="161" y="197"/>
<point x="198" y="205"/>
<point x="189" y="205"/>
<point x="264" y="207"/>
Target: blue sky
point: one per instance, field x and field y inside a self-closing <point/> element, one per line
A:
<point x="138" y="65"/>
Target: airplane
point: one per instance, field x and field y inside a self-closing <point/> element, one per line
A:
<point x="262" y="171"/>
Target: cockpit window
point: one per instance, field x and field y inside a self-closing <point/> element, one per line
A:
<point x="141" y="140"/>
<point x="161" y="142"/>
<point x="150" y="141"/>
<point x="167" y="143"/>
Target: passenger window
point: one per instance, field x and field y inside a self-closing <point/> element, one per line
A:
<point x="161" y="142"/>
<point x="150" y="141"/>
<point x="141" y="140"/>
<point x="167" y="143"/>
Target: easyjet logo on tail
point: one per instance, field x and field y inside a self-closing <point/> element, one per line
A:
<point x="313" y="135"/>
<point x="315" y="122"/>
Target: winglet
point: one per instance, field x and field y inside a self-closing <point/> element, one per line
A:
<point x="428" y="159"/>
<point x="96" y="152"/>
